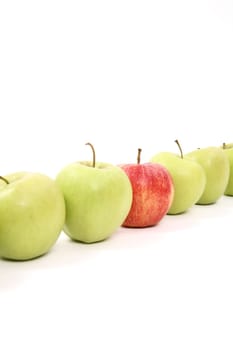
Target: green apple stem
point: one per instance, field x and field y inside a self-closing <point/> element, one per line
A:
<point x="5" y="180"/>
<point x="139" y="156"/>
<point x="93" y="153"/>
<point x="224" y="145"/>
<point x="181" y="152"/>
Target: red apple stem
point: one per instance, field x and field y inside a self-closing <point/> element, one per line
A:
<point x="181" y="152"/>
<point x="5" y="180"/>
<point x="139" y="156"/>
<point x="93" y="153"/>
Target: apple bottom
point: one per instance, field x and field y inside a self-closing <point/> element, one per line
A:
<point x="147" y="215"/>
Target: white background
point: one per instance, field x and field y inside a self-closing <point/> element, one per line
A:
<point x="122" y="75"/>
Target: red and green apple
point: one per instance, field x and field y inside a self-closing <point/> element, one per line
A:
<point x="153" y="192"/>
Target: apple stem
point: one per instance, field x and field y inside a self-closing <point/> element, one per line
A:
<point x="93" y="153"/>
<point x="5" y="180"/>
<point x="181" y="152"/>
<point x="139" y="155"/>
<point x="224" y="145"/>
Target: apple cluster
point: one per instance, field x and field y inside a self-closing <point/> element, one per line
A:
<point x="89" y="200"/>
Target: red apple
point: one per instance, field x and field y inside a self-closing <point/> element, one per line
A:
<point x="153" y="192"/>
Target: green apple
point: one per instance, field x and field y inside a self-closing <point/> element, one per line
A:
<point x="98" y="197"/>
<point x="228" y="149"/>
<point x="227" y="145"/>
<point x="188" y="177"/>
<point x="32" y="215"/>
<point x="217" y="169"/>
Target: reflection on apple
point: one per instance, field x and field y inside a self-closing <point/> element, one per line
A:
<point x="32" y="215"/>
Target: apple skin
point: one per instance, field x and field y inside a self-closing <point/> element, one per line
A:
<point x="97" y="199"/>
<point x="217" y="169"/>
<point x="32" y="215"/>
<point x="153" y="192"/>
<point x="228" y="150"/>
<point x="188" y="177"/>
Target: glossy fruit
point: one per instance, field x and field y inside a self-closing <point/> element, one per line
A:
<point x="98" y="197"/>
<point x="188" y="177"/>
<point x="153" y="192"/>
<point x="228" y="149"/>
<point x="32" y="215"/>
<point x="215" y="163"/>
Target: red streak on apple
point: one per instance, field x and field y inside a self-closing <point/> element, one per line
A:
<point x="153" y="192"/>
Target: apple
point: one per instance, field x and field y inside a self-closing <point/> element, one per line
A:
<point x="216" y="165"/>
<point x="228" y="149"/>
<point x="188" y="177"/>
<point x="98" y="197"/>
<point x="32" y="215"/>
<point x="153" y="192"/>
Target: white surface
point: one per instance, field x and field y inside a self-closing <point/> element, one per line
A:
<point x="164" y="287"/>
<point x="122" y="75"/>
